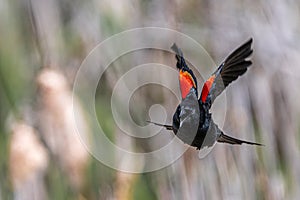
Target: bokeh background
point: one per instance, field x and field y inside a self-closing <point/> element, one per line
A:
<point x="42" y="44"/>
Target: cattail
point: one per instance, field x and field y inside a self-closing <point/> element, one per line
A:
<point x="58" y="126"/>
<point x="124" y="185"/>
<point x="28" y="161"/>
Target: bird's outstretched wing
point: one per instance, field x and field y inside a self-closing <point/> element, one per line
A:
<point x="187" y="79"/>
<point x="234" y="66"/>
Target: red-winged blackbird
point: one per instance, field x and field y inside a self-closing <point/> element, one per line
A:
<point x="193" y="112"/>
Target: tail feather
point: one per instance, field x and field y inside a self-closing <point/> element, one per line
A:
<point x="168" y="127"/>
<point x="230" y="140"/>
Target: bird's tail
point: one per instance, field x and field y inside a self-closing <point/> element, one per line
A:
<point x="230" y="140"/>
<point x="168" y="127"/>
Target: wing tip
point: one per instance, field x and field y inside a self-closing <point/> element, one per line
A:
<point x="174" y="47"/>
<point x="179" y="56"/>
<point x="250" y="40"/>
<point x="177" y="50"/>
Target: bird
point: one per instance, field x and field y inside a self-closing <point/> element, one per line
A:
<point x="192" y="120"/>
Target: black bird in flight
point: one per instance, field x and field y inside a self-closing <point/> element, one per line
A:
<point x="192" y="120"/>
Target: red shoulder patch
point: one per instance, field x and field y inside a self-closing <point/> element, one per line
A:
<point x="186" y="82"/>
<point x="206" y="88"/>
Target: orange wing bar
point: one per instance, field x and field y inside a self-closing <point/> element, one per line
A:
<point x="206" y="88"/>
<point x="186" y="83"/>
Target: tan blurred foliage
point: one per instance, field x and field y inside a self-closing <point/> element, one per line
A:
<point x="58" y="128"/>
<point x="28" y="161"/>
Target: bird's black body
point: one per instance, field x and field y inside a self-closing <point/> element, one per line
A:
<point x="192" y="120"/>
<point x="204" y="122"/>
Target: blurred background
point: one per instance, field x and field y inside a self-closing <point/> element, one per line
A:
<point x="43" y="43"/>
